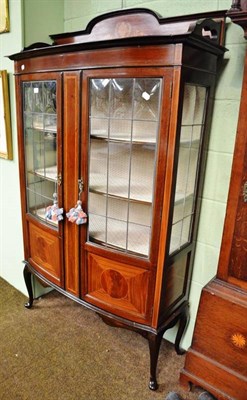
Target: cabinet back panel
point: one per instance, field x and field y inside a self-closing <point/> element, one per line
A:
<point x="175" y="280"/>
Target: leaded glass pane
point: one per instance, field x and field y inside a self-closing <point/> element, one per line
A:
<point x="142" y="172"/>
<point x="116" y="232"/>
<point x="124" y="122"/>
<point x="99" y="91"/>
<point x="97" y="227"/>
<point x="189" y="104"/>
<point x="147" y="99"/>
<point x="144" y="131"/>
<point x="99" y="127"/>
<point x="117" y="209"/>
<point x="118" y="169"/>
<point x="138" y="238"/>
<point x="176" y="236"/>
<point x="49" y="97"/>
<point x="186" y="230"/>
<point x="199" y="105"/>
<point x="40" y="137"/>
<point x="121" y="98"/>
<point x="194" y="104"/>
<point x="97" y="204"/>
<point x="120" y="129"/>
<point x="98" y="165"/>
<point x="140" y="213"/>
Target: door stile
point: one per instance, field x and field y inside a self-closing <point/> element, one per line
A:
<point x="84" y="151"/>
<point x="21" y="156"/>
<point x="167" y="192"/>
<point x="71" y="130"/>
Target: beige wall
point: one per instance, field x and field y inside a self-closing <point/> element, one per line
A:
<point x="30" y="21"/>
<point x="42" y="18"/>
<point x="11" y="249"/>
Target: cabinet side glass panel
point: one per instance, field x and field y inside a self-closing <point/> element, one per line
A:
<point x="124" y="123"/>
<point x="40" y="138"/>
<point x="193" y="116"/>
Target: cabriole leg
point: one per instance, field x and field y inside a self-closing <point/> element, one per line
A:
<point x="154" y="347"/>
<point x="28" y="281"/>
<point x="183" y="320"/>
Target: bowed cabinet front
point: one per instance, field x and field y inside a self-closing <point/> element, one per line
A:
<point x="111" y="162"/>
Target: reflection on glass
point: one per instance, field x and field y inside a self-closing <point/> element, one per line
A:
<point x="120" y="129"/>
<point x="124" y="121"/>
<point x="40" y="130"/>
<point x="142" y="171"/>
<point x="99" y="97"/>
<point x="98" y="165"/>
<point x="118" y="168"/>
<point x="188" y="160"/>
<point x="146" y="99"/>
<point x="121" y="98"/>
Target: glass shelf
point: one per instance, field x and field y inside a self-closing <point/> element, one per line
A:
<point x="49" y="173"/>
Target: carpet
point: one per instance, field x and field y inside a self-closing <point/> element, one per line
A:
<point x="59" y="350"/>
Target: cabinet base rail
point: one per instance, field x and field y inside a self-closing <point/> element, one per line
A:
<point x="154" y="336"/>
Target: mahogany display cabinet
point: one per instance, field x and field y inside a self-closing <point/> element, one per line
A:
<point x="112" y="127"/>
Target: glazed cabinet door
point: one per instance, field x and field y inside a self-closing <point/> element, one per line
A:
<point x="188" y="163"/>
<point x="40" y="172"/>
<point x="127" y="120"/>
<point x="187" y="175"/>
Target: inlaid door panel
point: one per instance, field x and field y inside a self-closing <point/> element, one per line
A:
<point x="45" y="253"/>
<point x="118" y="287"/>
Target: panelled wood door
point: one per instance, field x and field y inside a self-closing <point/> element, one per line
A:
<point x="125" y="131"/>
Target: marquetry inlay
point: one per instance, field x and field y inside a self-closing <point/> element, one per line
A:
<point x="239" y="340"/>
<point x="114" y="284"/>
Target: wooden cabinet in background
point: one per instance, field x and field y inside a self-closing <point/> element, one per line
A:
<point x="116" y="117"/>
<point x="217" y="359"/>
